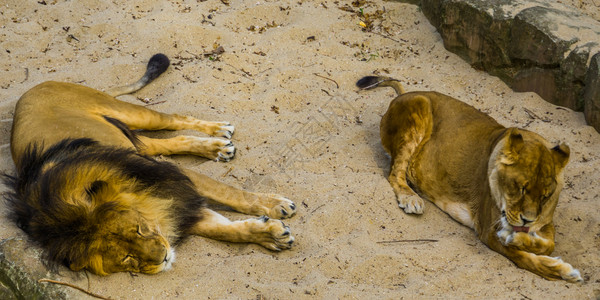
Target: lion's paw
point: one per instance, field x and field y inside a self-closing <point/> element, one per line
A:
<point x="272" y="234"/>
<point x="212" y="148"/>
<point x="224" y="129"/>
<point x="216" y="149"/>
<point x="225" y="152"/>
<point x="412" y="204"/>
<point x="277" y="206"/>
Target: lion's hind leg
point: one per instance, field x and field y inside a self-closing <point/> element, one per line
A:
<point x="269" y="233"/>
<point x="139" y="117"/>
<point x="258" y="204"/>
<point x="212" y="148"/>
<point x="404" y="129"/>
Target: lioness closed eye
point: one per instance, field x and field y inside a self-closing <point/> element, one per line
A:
<point x="88" y="192"/>
<point x="502" y="182"/>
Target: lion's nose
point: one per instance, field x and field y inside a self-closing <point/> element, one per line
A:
<point x="156" y="252"/>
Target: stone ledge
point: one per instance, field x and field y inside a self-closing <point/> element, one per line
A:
<point x="534" y="46"/>
<point x="20" y="268"/>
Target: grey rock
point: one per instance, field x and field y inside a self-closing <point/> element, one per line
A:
<point x="20" y="270"/>
<point x="592" y="93"/>
<point x="534" y="46"/>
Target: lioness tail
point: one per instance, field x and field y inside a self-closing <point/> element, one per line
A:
<point x="157" y="65"/>
<point x="369" y="82"/>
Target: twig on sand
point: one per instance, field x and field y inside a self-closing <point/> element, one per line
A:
<point x="385" y="36"/>
<point x="336" y="84"/>
<point x="317" y="208"/>
<point x="525" y="297"/>
<point x="408" y="241"/>
<point x="154" y="103"/>
<point x="26" y="75"/>
<point x="73" y="286"/>
<point x="227" y="173"/>
<point x="532" y="115"/>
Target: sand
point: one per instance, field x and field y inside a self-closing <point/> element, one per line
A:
<point x="286" y="81"/>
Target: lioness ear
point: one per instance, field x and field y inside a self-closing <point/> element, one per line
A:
<point x="514" y="144"/>
<point x="561" y="155"/>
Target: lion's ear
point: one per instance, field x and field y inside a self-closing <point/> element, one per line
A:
<point x="514" y="144"/>
<point x="93" y="264"/>
<point x="77" y="266"/>
<point x="561" y="155"/>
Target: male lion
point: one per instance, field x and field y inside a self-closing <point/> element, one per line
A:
<point x="88" y="192"/>
<point x="502" y="182"/>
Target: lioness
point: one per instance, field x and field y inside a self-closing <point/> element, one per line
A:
<point x="88" y="192"/>
<point x="502" y="182"/>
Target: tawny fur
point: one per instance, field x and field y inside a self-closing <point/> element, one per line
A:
<point x="502" y="182"/>
<point x="88" y="193"/>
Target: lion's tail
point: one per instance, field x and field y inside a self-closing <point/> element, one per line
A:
<point x="369" y="82"/>
<point x="157" y="65"/>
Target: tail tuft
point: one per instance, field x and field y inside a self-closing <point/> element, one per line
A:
<point x="157" y="65"/>
<point x="368" y="82"/>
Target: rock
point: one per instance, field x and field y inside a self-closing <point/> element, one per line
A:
<point x="20" y="270"/>
<point x="592" y="93"/>
<point x="534" y="46"/>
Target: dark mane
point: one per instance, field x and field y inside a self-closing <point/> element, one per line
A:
<point x="65" y="230"/>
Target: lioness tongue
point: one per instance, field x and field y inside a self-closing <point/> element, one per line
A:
<point x="521" y="229"/>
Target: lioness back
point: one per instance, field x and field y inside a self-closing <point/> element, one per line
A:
<point x="450" y="164"/>
<point x="502" y="182"/>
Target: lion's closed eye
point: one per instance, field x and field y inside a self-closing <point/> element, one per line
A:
<point x="139" y="231"/>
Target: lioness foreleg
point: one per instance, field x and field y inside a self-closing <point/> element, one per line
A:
<point x="552" y="268"/>
<point x="269" y="233"/>
<point x="258" y="204"/>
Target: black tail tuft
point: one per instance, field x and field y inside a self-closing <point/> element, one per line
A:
<point x="157" y="65"/>
<point x="368" y="82"/>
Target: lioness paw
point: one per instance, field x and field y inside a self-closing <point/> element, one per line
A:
<point x="574" y="276"/>
<point x="566" y="271"/>
<point x="272" y="234"/>
<point x="504" y="235"/>
<point x="519" y="240"/>
<point x="412" y="204"/>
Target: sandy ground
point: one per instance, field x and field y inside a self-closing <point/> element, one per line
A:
<point x="588" y="7"/>
<point x="286" y="80"/>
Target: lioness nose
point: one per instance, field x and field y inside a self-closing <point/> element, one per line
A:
<point x="526" y="220"/>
